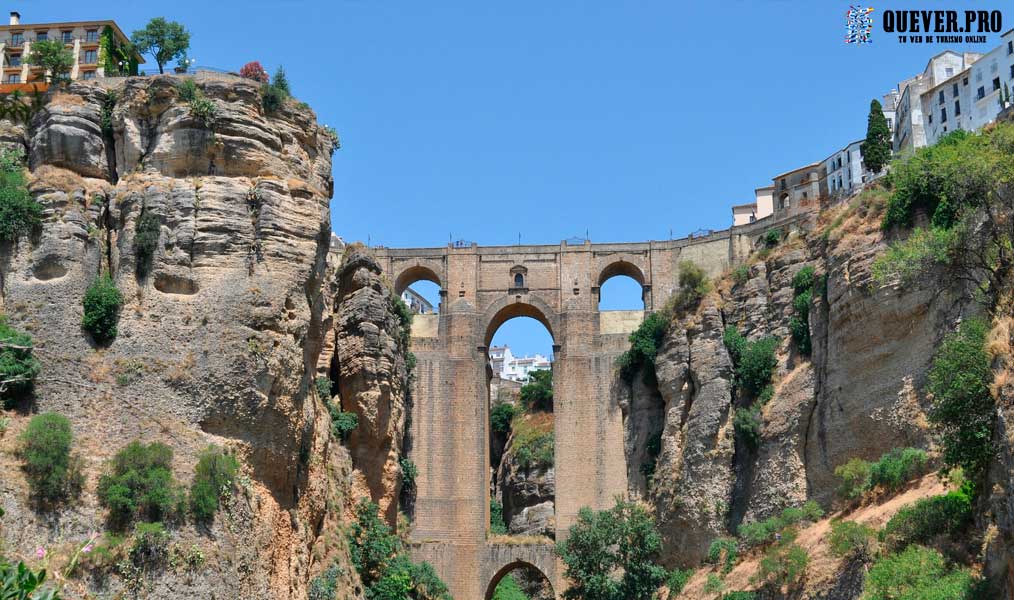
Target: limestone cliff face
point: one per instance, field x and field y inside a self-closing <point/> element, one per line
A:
<point x="218" y="341"/>
<point x="858" y="395"/>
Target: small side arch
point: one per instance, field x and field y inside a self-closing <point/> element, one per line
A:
<point x="506" y="569"/>
<point x="413" y="274"/>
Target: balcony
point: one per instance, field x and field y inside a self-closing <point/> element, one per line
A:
<point x="16" y="43"/>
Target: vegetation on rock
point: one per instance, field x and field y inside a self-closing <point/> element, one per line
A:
<point x="850" y="539"/>
<point x="52" y="471"/>
<point x="102" y="303"/>
<point x="146" y="236"/>
<point x="784" y="563"/>
<point x="139" y="484"/>
<point x="612" y="554"/>
<point x="693" y="286"/>
<point x="799" y="325"/>
<point x="644" y="343"/>
<point x="254" y="70"/>
<point x="18" y="367"/>
<point x="927" y="519"/>
<point x="19" y="212"/>
<point x="537" y="394"/>
<point x="763" y="532"/>
<point x="214" y="477"/>
<point x="917" y="573"/>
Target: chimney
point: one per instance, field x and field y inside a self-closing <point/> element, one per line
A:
<point x="15" y="17"/>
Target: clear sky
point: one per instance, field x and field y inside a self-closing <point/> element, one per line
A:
<point x="486" y="120"/>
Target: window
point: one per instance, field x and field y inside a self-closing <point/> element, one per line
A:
<point x="964" y="81"/>
<point x="1012" y="71"/>
<point x="940" y="97"/>
<point x="14" y="78"/>
<point x="41" y="36"/>
<point x="88" y="75"/>
<point x="996" y="83"/>
<point x="67" y="37"/>
<point x="17" y="39"/>
<point x="954" y="90"/>
<point x="14" y="60"/>
<point x="783" y="183"/>
<point x="92" y="35"/>
<point x="957" y="108"/>
<point x="804" y="194"/>
<point x="1010" y="47"/>
<point x="980" y="93"/>
<point x="931" y="118"/>
<point x="943" y="115"/>
<point x="949" y="71"/>
<point x="890" y="124"/>
<point x="519" y="280"/>
<point x="91" y="56"/>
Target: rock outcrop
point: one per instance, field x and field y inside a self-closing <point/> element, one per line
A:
<point x="219" y="337"/>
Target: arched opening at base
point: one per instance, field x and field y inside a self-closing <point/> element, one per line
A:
<point x="520" y="581"/>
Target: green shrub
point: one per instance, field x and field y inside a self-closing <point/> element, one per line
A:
<point x="849" y="538"/>
<point x="150" y="546"/>
<point x="713" y="584"/>
<point x="496" y="522"/>
<point x="723" y="551"/>
<point x="146" y="240"/>
<point x="18" y="368"/>
<point x="214" y="476"/>
<point x="19" y="212"/>
<point x="501" y="416"/>
<point x="917" y="573"/>
<point x="799" y="325"/>
<point x="409" y="472"/>
<point x="188" y="90"/>
<point x="325" y="585"/>
<point x="342" y="423"/>
<point x="281" y="82"/>
<point x="202" y="108"/>
<point x="271" y="98"/>
<point x="909" y="259"/>
<point x="762" y="532"/>
<point x="741" y="275"/>
<point x="508" y="589"/>
<point x="18" y="582"/>
<point x="537" y="394"/>
<point x="948" y="514"/>
<point x="379" y="558"/>
<point x="102" y="303"/>
<point x="735" y="343"/>
<point x="963" y="408"/>
<point x="323" y="387"/>
<point x="772" y="237"/>
<point x="533" y="446"/>
<point x="898" y="467"/>
<point x="783" y="564"/>
<point x="756" y="365"/>
<point x="748" y="422"/>
<point x="139" y="484"/>
<point x="693" y="286"/>
<point x="613" y="554"/>
<point x="644" y="343"/>
<point x="676" y="580"/>
<point x="855" y="476"/>
<point x="53" y="473"/>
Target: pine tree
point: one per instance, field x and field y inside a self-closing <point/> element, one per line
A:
<point x="877" y="147"/>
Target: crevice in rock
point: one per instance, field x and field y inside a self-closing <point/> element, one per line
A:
<point x="106" y="220"/>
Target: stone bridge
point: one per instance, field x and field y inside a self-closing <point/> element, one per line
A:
<point x="480" y="289"/>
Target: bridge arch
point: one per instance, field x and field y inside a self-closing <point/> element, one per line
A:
<point x="508" y="308"/>
<point x="510" y="567"/>
<point x="621" y="267"/>
<point x="414" y="273"/>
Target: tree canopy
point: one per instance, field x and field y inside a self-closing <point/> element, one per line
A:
<point x="164" y="40"/>
<point x="53" y="56"/>
<point x="877" y="147"/>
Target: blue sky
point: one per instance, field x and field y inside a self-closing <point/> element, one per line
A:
<point x="483" y="121"/>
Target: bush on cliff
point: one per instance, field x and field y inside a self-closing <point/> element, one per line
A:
<point x="784" y="563"/>
<point x="537" y="394"/>
<point x="693" y="286"/>
<point x="644" y="343"/>
<point x="918" y="573"/>
<point x="382" y="563"/>
<point x="146" y="237"/>
<point x="18" y="368"/>
<point x="53" y="473"/>
<point x="612" y="554"/>
<point x="754" y="361"/>
<point x="501" y="416"/>
<point x="102" y="303"/>
<point x="963" y="409"/>
<point x="922" y="522"/>
<point x="19" y="212"/>
<point x="139" y="484"/>
<point x="214" y="476"/>
<point x="799" y="325"/>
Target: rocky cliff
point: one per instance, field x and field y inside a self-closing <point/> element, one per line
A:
<point x="220" y="337"/>
<point x="857" y="395"/>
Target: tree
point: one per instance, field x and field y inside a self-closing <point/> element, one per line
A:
<point x="281" y="82"/>
<point x="54" y="57"/>
<point x="164" y="40"/>
<point x="877" y="147"/>
<point x="254" y="70"/>
<point x="102" y="303"/>
<point x="18" y="368"/>
<point x="52" y="471"/>
<point x="19" y="212"/>
<point x="612" y="554"/>
<point x="537" y="394"/>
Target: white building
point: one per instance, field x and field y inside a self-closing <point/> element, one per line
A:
<point x="507" y="366"/>
<point x="416" y="302"/>
<point x="762" y="206"/>
<point x="844" y="170"/>
<point x="908" y="120"/>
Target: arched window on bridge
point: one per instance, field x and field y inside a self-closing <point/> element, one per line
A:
<point x="523" y="581"/>
<point x="521" y="442"/>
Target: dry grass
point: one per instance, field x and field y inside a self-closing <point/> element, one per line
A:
<point x="520" y="540"/>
